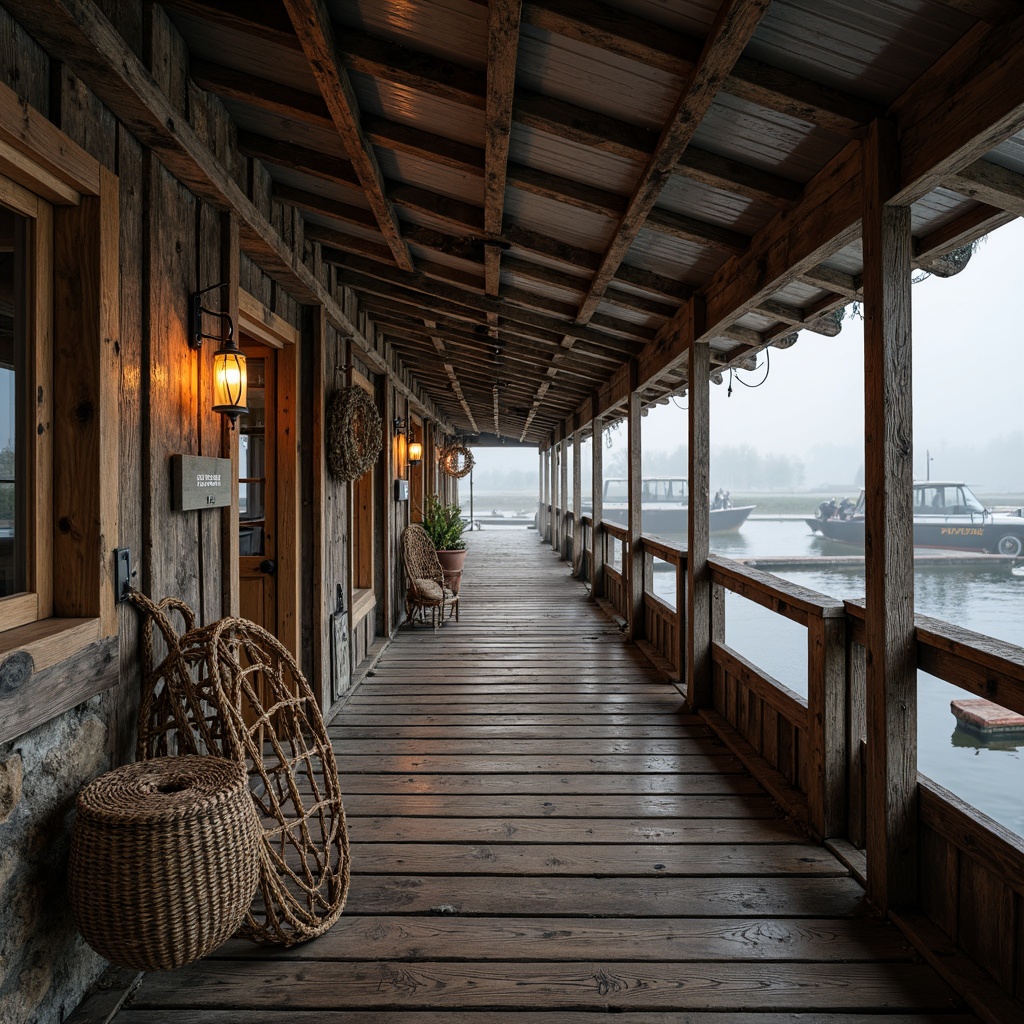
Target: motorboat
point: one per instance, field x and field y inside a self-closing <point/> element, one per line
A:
<point x="946" y="515"/>
<point x="664" y="503"/>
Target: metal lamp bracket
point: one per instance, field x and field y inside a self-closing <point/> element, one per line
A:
<point x="196" y="309"/>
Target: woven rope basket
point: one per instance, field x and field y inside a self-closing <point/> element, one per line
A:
<point x="164" y="860"/>
<point x="232" y="689"/>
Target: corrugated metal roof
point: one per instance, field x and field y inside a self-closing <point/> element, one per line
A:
<point x="593" y="95"/>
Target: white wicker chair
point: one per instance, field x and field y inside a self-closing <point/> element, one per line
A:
<point x="427" y="588"/>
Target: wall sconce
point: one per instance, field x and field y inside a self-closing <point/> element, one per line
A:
<point x="229" y="374"/>
<point x="415" y="453"/>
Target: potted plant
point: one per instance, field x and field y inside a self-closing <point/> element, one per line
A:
<point x="444" y="525"/>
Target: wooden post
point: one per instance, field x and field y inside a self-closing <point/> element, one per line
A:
<point x="698" y="590"/>
<point x="892" y="849"/>
<point x="577" y="500"/>
<point x="634" y="555"/>
<point x="826" y="705"/>
<point x="553" y="490"/>
<point x="597" y="533"/>
<point x="542" y="482"/>
<point x="563" y="522"/>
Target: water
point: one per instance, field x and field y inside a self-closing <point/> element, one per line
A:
<point x="989" y="601"/>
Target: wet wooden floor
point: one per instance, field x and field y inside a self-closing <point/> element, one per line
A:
<point x="540" y="835"/>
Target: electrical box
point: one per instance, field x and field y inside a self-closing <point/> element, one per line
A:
<point x="401" y="490"/>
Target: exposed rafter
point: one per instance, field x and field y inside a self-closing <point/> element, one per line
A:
<point x="313" y="27"/>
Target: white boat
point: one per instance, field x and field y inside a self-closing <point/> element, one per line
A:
<point x="665" y="506"/>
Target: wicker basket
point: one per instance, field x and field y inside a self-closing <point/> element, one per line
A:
<point x="164" y="860"/>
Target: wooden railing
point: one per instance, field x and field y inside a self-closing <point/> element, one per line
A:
<point x="810" y="753"/>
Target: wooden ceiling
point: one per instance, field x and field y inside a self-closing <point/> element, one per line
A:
<point x="528" y="198"/>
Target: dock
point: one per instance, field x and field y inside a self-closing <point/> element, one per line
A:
<point x="541" y="834"/>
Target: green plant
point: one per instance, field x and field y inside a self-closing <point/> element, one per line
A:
<point x="444" y="524"/>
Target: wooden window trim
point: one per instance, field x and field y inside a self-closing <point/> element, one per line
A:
<point x="358" y="593"/>
<point x="74" y="468"/>
<point x="364" y="601"/>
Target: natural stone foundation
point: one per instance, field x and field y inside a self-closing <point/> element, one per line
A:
<point x="45" y="965"/>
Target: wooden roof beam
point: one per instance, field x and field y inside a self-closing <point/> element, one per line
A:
<point x="394" y="310"/>
<point x="811" y="320"/>
<point x="646" y="42"/>
<point x="979" y="79"/>
<point x="977" y="75"/>
<point x="847" y="285"/>
<point x="991" y="183"/>
<point x="78" y="33"/>
<point x="959" y="232"/>
<point x="540" y="345"/>
<point x="558" y="118"/>
<point x="432" y="294"/>
<point x="312" y="25"/>
<point x="734" y="25"/>
<point x="502" y="53"/>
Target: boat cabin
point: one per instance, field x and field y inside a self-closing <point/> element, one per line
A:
<point x="269" y="271"/>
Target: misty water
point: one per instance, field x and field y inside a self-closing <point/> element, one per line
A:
<point x="988" y="600"/>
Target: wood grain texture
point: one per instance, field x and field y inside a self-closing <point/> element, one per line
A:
<point x="698" y="574"/>
<point x="888" y="533"/>
<point x="510" y="866"/>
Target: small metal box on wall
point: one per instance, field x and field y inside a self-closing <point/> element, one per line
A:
<point x="199" y="482"/>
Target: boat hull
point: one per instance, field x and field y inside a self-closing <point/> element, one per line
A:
<point x="991" y="537"/>
<point x="674" y="520"/>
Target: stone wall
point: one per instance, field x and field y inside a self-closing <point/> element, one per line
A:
<point x="42" y="955"/>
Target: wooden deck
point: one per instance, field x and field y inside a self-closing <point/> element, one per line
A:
<point x="540" y="835"/>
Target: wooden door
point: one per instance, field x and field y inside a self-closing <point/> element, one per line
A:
<point x="257" y="490"/>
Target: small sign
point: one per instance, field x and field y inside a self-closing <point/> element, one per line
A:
<point x="200" y="482"/>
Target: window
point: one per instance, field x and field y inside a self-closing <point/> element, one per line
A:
<point x="25" y="370"/>
<point x="60" y="371"/>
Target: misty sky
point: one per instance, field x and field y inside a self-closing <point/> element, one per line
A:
<point x="968" y="348"/>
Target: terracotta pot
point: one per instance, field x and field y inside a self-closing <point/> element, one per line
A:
<point x="451" y="565"/>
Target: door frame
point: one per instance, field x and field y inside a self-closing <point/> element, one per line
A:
<point x="267" y="328"/>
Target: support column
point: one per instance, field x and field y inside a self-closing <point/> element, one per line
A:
<point x="634" y="562"/>
<point x="553" y="484"/>
<point x="577" y="501"/>
<point x="892" y="849"/>
<point x="698" y="524"/>
<point x="563" y="500"/>
<point x="542" y="482"/>
<point x="596" y="534"/>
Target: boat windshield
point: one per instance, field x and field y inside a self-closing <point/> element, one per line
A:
<point x="659" y="489"/>
<point x="946" y="500"/>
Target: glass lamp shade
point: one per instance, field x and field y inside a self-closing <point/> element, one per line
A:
<point x="229" y="382"/>
<point x="415" y="452"/>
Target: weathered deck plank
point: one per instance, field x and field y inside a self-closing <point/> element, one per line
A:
<point x="540" y="834"/>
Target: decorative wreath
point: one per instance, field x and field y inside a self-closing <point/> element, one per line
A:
<point x="456" y="460"/>
<point x="353" y="436"/>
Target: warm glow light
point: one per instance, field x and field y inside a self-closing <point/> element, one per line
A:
<point x="229" y="382"/>
<point x="415" y="452"/>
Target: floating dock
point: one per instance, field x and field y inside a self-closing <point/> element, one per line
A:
<point x="986" y="719"/>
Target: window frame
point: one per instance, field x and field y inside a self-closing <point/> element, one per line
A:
<point x="68" y="650"/>
<point x="35" y="602"/>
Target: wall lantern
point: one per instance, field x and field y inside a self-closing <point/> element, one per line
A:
<point x="229" y="374"/>
<point x="415" y="453"/>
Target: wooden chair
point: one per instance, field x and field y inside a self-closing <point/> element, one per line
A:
<point x="426" y="580"/>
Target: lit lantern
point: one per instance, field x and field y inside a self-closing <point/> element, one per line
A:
<point x="415" y="453"/>
<point x="229" y="382"/>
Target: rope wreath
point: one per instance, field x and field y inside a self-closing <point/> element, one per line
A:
<point x="353" y="436"/>
<point x="456" y="460"/>
<point x="231" y="689"/>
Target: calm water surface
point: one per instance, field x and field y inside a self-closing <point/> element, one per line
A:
<point x="990" y="601"/>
